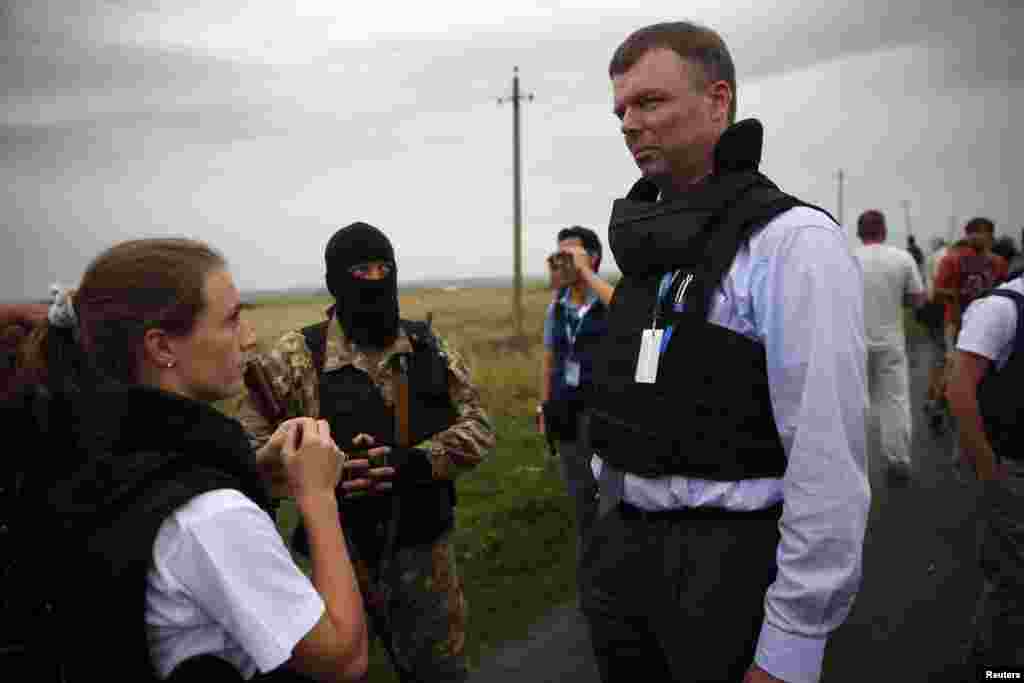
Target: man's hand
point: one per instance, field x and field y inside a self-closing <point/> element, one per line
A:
<point x="365" y="476"/>
<point x="580" y="259"/>
<point x="756" y="674"/>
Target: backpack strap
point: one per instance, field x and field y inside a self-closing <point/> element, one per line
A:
<point x="1018" y="299"/>
<point x="558" y="312"/>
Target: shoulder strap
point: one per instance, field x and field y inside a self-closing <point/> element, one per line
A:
<point x="316" y="340"/>
<point x="558" y="312"/>
<point x="1018" y="299"/>
<point x="754" y="208"/>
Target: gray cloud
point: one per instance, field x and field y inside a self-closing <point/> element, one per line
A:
<point x="106" y="137"/>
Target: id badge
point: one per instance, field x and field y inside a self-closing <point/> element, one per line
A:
<point x="572" y="373"/>
<point x="647" y="362"/>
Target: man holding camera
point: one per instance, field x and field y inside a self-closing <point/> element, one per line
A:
<point x="575" y="322"/>
<point x="394" y="389"/>
<point x="728" y="409"/>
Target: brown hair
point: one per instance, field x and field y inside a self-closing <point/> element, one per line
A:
<point x="979" y="225"/>
<point x="694" y="43"/>
<point x="127" y="290"/>
<point x="871" y="225"/>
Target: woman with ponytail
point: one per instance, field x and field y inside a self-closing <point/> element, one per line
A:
<point x="155" y="537"/>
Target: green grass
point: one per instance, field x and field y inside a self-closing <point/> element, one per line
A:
<point x="514" y="539"/>
<point x="514" y="535"/>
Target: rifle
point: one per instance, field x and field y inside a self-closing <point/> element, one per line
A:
<point x="380" y="594"/>
<point x="262" y="391"/>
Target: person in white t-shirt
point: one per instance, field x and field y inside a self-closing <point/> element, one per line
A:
<point x="985" y="397"/>
<point x="891" y="277"/>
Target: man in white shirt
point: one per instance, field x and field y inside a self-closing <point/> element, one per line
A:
<point x="890" y="278"/>
<point x="732" y="378"/>
<point x="931" y="316"/>
<point x="985" y="397"/>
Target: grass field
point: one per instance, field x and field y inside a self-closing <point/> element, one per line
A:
<point x="514" y="533"/>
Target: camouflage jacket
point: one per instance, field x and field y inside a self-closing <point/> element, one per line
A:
<point x="295" y="382"/>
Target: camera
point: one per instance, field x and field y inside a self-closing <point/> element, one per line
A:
<point x="562" y="270"/>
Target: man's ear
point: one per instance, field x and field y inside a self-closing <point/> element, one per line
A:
<point x="721" y="96"/>
<point x="157" y="349"/>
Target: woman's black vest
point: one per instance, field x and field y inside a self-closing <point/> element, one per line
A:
<point x="709" y="413"/>
<point x="352" y="404"/>
<point x="130" y="457"/>
<point x="999" y="393"/>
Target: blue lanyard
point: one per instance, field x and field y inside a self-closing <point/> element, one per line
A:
<point x="666" y="283"/>
<point x="569" y="332"/>
<point x="678" y="306"/>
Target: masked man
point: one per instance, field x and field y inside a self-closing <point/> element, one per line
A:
<point x="394" y="387"/>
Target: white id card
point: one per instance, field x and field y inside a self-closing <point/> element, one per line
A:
<point x="572" y="373"/>
<point x="647" y="362"/>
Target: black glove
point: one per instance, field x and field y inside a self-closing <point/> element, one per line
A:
<point x="412" y="466"/>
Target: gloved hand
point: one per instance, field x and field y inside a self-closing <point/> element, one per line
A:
<point x="382" y="469"/>
<point x="368" y="471"/>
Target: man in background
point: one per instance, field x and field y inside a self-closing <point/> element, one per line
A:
<point x="968" y="272"/>
<point x="16" y="322"/>
<point x="916" y="252"/>
<point x="931" y="316"/>
<point x="891" y="277"/>
<point x="574" y="324"/>
<point x="985" y="396"/>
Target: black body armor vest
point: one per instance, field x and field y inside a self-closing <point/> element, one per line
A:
<point x="708" y="414"/>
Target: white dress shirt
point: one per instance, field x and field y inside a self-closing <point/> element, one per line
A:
<point x="797" y="288"/>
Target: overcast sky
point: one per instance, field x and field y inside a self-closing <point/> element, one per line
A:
<point x="262" y="127"/>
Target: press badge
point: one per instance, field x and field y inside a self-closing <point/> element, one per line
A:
<point x="572" y="373"/>
<point x="650" y="351"/>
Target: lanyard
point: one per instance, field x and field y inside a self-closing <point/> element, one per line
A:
<point x="679" y="304"/>
<point x="581" y="313"/>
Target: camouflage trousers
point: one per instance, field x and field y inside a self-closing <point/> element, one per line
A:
<point x="423" y="623"/>
<point x="999" y="618"/>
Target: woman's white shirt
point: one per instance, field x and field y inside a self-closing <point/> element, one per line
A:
<point x="223" y="583"/>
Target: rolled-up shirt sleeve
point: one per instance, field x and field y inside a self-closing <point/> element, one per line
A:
<point x="549" y="327"/>
<point x="808" y="300"/>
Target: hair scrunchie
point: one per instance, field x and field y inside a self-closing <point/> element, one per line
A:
<point x="62" y="308"/>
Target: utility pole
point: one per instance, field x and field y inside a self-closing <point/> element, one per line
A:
<point x="517" y="199"/>
<point x="839" y="213"/>
<point x="906" y="214"/>
<point x="952" y="229"/>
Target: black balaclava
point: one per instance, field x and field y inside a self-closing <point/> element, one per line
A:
<point x="367" y="309"/>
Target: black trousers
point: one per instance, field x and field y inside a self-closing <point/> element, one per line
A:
<point x="678" y="596"/>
